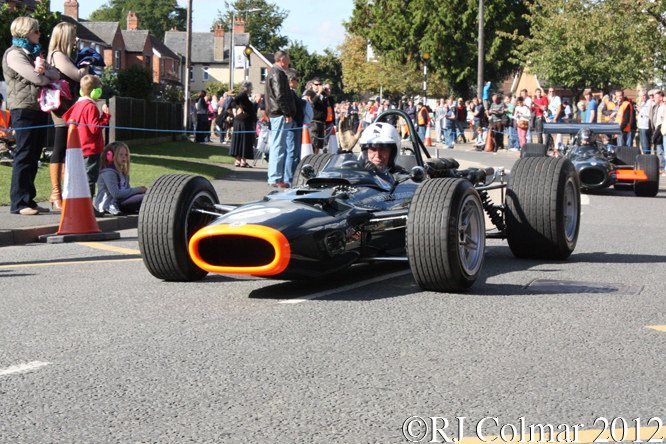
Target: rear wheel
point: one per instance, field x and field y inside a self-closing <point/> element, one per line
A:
<point x="167" y="222"/>
<point x="543" y="208"/>
<point x="533" y="150"/>
<point x="650" y="164"/>
<point x="446" y="236"/>
<point x="318" y="161"/>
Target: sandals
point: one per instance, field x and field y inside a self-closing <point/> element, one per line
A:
<point x="245" y="165"/>
<point x="237" y="163"/>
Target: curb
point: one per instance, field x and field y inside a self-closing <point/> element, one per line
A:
<point x="19" y="236"/>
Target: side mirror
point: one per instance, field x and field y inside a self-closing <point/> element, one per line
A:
<point x="417" y="174"/>
<point x="308" y="172"/>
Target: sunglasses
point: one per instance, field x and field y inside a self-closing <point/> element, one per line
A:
<point x="317" y="84"/>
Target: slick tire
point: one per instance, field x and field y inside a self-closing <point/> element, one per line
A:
<point x="446" y="235"/>
<point x="650" y="164"/>
<point x="626" y="155"/>
<point x="543" y="208"/>
<point x="167" y="222"/>
<point x="318" y="161"/>
<point x="533" y="150"/>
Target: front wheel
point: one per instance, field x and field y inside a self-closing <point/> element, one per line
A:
<point x="446" y="235"/>
<point x="650" y="164"/>
<point x="168" y="220"/>
<point x="543" y="208"/>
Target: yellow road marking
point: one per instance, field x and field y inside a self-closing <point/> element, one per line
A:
<point x="657" y="327"/>
<point x="68" y="263"/>
<point x="101" y="246"/>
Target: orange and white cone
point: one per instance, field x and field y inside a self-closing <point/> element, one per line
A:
<point x="489" y="140"/>
<point x="306" y="143"/>
<point x="77" y="210"/>
<point x="333" y="142"/>
<point x="428" y="137"/>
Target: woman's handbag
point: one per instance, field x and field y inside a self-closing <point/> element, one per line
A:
<point x="523" y="124"/>
<point x="53" y="94"/>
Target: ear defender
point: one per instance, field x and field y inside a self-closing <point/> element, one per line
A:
<point x="109" y="156"/>
<point x="94" y="94"/>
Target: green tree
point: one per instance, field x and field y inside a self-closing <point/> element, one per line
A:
<point x="360" y="75"/>
<point x="157" y="16"/>
<point x="400" y="31"/>
<point x="135" y="81"/>
<point x="47" y="21"/>
<point x="326" y="66"/>
<point x="590" y="43"/>
<point x="264" y="26"/>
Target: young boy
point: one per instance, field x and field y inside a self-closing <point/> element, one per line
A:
<point x="86" y="113"/>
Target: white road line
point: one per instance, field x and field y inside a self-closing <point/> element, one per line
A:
<point x="22" y="367"/>
<point x="584" y="199"/>
<point x="345" y="288"/>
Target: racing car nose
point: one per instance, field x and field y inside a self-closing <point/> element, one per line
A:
<point x="240" y="249"/>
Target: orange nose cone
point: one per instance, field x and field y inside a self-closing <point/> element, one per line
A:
<point x="245" y="249"/>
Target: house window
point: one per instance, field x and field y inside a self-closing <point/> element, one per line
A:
<point x="191" y="73"/>
<point x="116" y="61"/>
<point x="264" y="73"/>
<point x="205" y="76"/>
<point x="162" y="71"/>
<point x="146" y="60"/>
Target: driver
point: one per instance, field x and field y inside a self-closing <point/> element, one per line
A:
<point x="586" y="137"/>
<point x="379" y="147"/>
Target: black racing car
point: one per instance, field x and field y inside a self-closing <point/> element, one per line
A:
<point x="601" y="165"/>
<point x="341" y="212"/>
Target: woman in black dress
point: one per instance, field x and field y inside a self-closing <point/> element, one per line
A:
<point x="201" y="108"/>
<point x="245" y="121"/>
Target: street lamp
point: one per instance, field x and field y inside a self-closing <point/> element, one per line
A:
<point x="247" y="51"/>
<point x="425" y="56"/>
<point x="231" y="48"/>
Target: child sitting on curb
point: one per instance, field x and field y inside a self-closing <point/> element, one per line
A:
<point x="115" y="196"/>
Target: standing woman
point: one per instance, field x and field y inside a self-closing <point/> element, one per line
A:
<point x="243" y="137"/>
<point x="522" y="114"/>
<point x="25" y="71"/>
<point x="202" y="118"/>
<point x="63" y="40"/>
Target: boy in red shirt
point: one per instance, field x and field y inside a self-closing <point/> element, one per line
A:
<point x="91" y="133"/>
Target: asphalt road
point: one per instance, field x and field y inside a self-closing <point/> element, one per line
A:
<point x="94" y="349"/>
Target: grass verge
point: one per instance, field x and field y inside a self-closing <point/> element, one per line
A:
<point x="186" y="150"/>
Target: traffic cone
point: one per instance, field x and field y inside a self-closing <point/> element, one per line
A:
<point x="489" y="140"/>
<point x="332" y="142"/>
<point x="77" y="221"/>
<point x="306" y="143"/>
<point x="428" y="137"/>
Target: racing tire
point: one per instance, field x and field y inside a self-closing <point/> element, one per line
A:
<point x="446" y="235"/>
<point x="650" y="164"/>
<point x="543" y="208"/>
<point x="626" y="155"/>
<point x="318" y="161"/>
<point x="533" y="150"/>
<point x="166" y="224"/>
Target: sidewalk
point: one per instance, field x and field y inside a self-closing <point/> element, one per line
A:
<point x="240" y="186"/>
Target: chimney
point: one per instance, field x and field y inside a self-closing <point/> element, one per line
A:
<point x="132" y="21"/>
<point x="239" y="26"/>
<point x="72" y="9"/>
<point x="219" y="31"/>
<point x="218" y="39"/>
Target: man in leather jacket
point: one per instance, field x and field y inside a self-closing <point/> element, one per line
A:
<point x="281" y="110"/>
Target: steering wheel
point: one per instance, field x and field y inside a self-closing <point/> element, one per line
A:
<point x="409" y="149"/>
<point x="350" y="164"/>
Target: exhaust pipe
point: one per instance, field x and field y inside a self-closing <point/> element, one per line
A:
<point x="240" y="249"/>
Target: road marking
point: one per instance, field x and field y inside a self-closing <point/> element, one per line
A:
<point x="657" y="327"/>
<point x="345" y="288"/>
<point x="68" y="263"/>
<point x="584" y="199"/>
<point x="101" y="246"/>
<point x="22" y="367"/>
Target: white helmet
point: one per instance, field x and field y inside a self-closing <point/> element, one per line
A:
<point x="381" y="135"/>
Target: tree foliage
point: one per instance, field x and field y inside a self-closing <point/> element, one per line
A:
<point x="591" y="43"/>
<point x="264" y="26"/>
<point x="47" y="21"/>
<point x="135" y="81"/>
<point x="157" y="16"/>
<point x="360" y="75"/>
<point x="400" y="31"/>
<point x="326" y="66"/>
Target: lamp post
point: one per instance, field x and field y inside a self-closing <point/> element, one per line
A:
<point x="425" y="56"/>
<point x="231" y="47"/>
<point x="247" y="51"/>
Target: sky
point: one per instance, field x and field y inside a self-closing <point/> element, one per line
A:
<point x="316" y="23"/>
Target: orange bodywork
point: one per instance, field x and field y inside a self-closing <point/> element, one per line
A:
<point x="270" y="235"/>
<point x="630" y="175"/>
